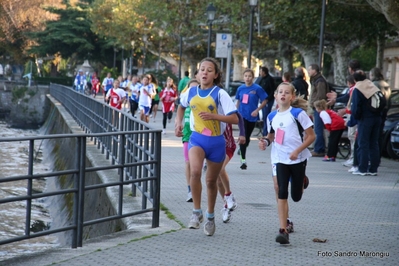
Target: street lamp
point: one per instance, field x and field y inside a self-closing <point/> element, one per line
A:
<point x="145" y="38"/>
<point x="131" y="58"/>
<point x="210" y="11"/>
<point x="253" y="4"/>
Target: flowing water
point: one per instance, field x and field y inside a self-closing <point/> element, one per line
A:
<point x="14" y="162"/>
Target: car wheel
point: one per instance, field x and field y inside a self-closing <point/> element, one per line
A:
<point x="390" y="151"/>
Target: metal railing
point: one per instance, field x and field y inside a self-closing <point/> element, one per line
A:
<point x="131" y="147"/>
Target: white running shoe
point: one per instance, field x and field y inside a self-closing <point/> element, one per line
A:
<point x="231" y="202"/>
<point x="353" y="169"/>
<point x="189" y="197"/>
<point x="195" y="221"/>
<point x="348" y="163"/>
<point x="226" y="215"/>
<point x="209" y="227"/>
<point x="163" y="132"/>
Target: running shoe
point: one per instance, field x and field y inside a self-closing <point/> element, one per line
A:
<point x="209" y="227"/>
<point x="282" y="237"/>
<point x="231" y="202"/>
<point x="189" y="197"/>
<point x="226" y="215"/>
<point x="353" y="169"/>
<point x="328" y="159"/>
<point x="195" y="221"/>
<point x="243" y="166"/>
<point x="290" y="226"/>
<point x="348" y="163"/>
<point x="305" y="182"/>
<point x="373" y="174"/>
<point x="357" y="172"/>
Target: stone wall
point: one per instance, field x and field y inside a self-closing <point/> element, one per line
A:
<point x="24" y="107"/>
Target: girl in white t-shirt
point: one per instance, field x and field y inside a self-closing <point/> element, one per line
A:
<point x="290" y="151"/>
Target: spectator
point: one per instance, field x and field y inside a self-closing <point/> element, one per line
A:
<point x="267" y="83"/>
<point x="183" y="82"/>
<point x="300" y="84"/>
<point x="369" y="124"/>
<point x="319" y="92"/>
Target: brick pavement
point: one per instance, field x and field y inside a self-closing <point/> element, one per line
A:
<point x="358" y="215"/>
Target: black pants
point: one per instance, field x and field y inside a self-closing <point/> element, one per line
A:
<point x="294" y="171"/>
<point x="249" y="128"/>
<point x="166" y="116"/>
<point x="133" y="107"/>
<point x="333" y="141"/>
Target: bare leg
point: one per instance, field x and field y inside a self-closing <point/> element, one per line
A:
<point x="154" y="110"/>
<point x="196" y="156"/>
<point x="212" y="175"/>
<point x="223" y="180"/>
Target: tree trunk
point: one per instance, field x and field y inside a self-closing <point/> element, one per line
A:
<point x="239" y="65"/>
<point x="286" y="57"/>
<point x="380" y="52"/>
<point x="310" y="54"/>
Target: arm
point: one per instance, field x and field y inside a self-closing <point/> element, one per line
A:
<point x="266" y="141"/>
<point x="179" y="121"/>
<point x="229" y="119"/>
<point x="310" y="137"/>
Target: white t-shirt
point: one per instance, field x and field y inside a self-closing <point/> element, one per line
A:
<point x="121" y="93"/>
<point x="286" y="122"/>
<point x="325" y="117"/>
<point x="144" y="99"/>
<point x="135" y="89"/>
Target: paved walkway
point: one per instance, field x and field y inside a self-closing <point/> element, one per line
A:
<point x="358" y="215"/>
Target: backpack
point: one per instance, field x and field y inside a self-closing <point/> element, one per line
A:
<point x="377" y="102"/>
<point x="294" y="112"/>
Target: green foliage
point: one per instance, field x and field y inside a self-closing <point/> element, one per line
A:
<point x="366" y="56"/>
<point x="114" y="73"/>
<point x="18" y="93"/>
<point x="67" y="81"/>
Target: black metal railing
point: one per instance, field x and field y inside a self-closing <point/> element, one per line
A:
<point x="131" y="146"/>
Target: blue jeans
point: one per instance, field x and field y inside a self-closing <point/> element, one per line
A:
<point x="319" y="145"/>
<point x="265" y="112"/>
<point x="368" y="151"/>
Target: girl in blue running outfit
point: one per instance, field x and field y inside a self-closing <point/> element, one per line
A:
<point x="211" y="107"/>
<point x="290" y="152"/>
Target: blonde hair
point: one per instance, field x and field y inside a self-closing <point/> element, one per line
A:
<point x="300" y="102"/>
<point x="293" y="90"/>
<point x="320" y="104"/>
<point x="249" y="70"/>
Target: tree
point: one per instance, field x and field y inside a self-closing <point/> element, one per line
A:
<point x="70" y="35"/>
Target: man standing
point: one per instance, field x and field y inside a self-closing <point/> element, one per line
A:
<point x="319" y="92"/>
<point x="267" y="83"/>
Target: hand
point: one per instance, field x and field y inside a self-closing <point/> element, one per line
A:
<point x="241" y="140"/>
<point x="206" y="116"/>
<point x="341" y="112"/>
<point x="294" y="155"/>
<point x="331" y="95"/>
<point x="178" y="130"/>
<point x="262" y="144"/>
<point x="255" y="113"/>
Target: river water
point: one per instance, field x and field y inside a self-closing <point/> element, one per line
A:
<point x="13" y="162"/>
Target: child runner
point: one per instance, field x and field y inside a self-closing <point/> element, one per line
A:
<point x="248" y="98"/>
<point x="107" y="85"/>
<point x="134" y="98"/>
<point x="168" y="97"/>
<point x="211" y="108"/>
<point x="299" y="102"/>
<point x="186" y="138"/>
<point x="146" y="93"/>
<point x="116" y="96"/>
<point x="333" y="123"/>
<point x="230" y="203"/>
<point x="290" y="153"/>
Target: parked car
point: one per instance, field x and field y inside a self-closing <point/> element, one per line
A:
<point x="395" y="139"/>
<point x="390" y="124"/>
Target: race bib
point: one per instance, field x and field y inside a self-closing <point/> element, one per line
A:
<point x="279" y="136"/>
<point x="245" y="98"/>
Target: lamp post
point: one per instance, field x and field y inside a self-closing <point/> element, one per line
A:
<point x="322" y="26"/>
<point x="131" y="58"/>
<point x="210" y="11"/>
<point x="145" y="38"/>
<point x="253" y="4"/>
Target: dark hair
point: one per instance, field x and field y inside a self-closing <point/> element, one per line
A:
<point x="153" y="78"/>
<point x="376" y="73"/>
<point x="287" y="76"/>
<point x="265" y="70"/>
<point x="350" y="79"/>
<point x="354" y="64"/>
<point x="186" y="73"/>
<point x="215" y="63"/>
<point x="315" y="67"/>
<point x="359" y="75"/>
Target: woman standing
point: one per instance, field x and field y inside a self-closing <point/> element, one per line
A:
<point x="248" y="98"/>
